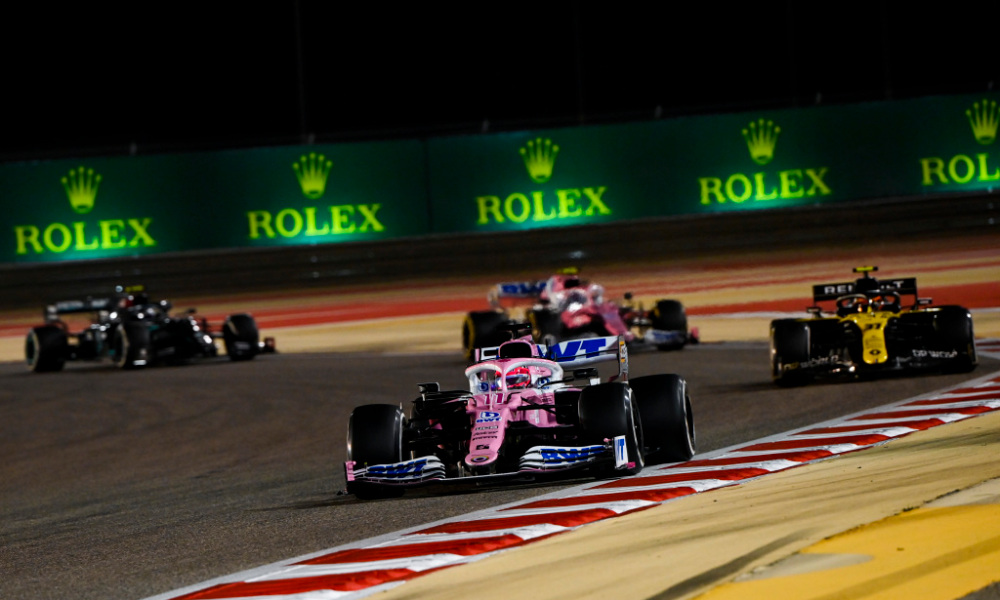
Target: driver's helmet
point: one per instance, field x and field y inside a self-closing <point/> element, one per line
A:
<point x="518" y="377"/>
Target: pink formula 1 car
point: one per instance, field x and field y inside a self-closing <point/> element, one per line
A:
<point x="566" y="307"/>
<point x="529" y="411"/>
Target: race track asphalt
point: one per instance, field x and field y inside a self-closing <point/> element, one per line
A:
<point x="124" y="485"/>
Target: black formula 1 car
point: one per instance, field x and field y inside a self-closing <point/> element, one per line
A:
<point x="529" y="411"/>
<point x="564" y="306"/>
<point x="133" y="331"/>
<point x="871" y="331"/>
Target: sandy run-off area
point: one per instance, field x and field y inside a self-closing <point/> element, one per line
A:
<point x="727" y="298"/>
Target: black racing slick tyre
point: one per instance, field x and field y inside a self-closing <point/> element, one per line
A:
<point x="45" y="349"/>
<point x="954" y="329"/>
<point x="375" y="437"/>
<point x="789" y="352"/>
<point x="546" y="326"/>
<point x="130" y="346"/>
<point x="667" y="420"/>
<point x="669" y="315"/>
<point x="241" y="338"/>
<point x="481" y="329"/>
<point x="607" y="411"/>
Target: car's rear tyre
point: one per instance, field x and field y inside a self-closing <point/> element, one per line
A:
<point x="667" y="420"/>
<point x="241" y="338"/>
<point x="45" y="349"/>
<point x="954" y="328"/>
<point x="481" y="329"/>
<point x="789" y="352"/>
<point x="607" y="411"/>
<point x="669" y="315"/>
<point x="546" y="326"/>
<point x="130" y="346"/>
<point x="375" y="437"/>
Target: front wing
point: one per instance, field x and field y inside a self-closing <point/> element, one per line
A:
<point x="538" y="462"/>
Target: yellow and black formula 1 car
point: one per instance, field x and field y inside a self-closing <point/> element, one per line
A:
<point x="871" y="331"/>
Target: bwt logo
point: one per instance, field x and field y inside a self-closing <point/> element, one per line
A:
<point x="565" y="454"/>
<point x="522" y="288"/>
<point x="591" y="348"/>
<point x="412" y="467"/>
<point x="488" y="417"/>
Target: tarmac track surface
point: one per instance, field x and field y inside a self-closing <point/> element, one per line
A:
<point x="130" y="484"/>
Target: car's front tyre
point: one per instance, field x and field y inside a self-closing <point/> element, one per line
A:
<point x="481" y="329"/>
<point x="667" y="420"/>
<point x="607" y="411"/>
<point x="375" y="437"/>
<point x="45" y="349"/>
<point x="789" y="352"/>
<point x="240" y="336"/>
<point x="131" y="347"/>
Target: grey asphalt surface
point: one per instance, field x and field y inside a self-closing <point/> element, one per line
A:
<point x="122" y="485"/>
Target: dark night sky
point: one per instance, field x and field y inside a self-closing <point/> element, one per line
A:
<point x="97" y="77"/>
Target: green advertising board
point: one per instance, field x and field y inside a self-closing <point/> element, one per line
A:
<point x="125" y="206"/>
<point x="714" y="163"/>
<point x="322" y="194"/>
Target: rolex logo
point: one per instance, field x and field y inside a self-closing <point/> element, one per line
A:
<point x="312" y="172"/>
<point x="539" y="157"/>
<point x="81" y="188"/>
<point x="984" y="118"/>
<point x="761" y="138"/>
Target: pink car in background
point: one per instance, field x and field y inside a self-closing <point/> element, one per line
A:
<point x="566" y="306"/>
<point x="529" y="411"/>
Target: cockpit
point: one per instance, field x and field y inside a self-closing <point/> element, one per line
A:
<point x="512" y="375"/>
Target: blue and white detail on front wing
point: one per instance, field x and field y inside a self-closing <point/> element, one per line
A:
<point x="408" y="471"/>
<point x="621" y="452"/>
<point x="559" y="457"/>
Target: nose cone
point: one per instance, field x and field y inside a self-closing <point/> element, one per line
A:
<point x="487" y="438"/>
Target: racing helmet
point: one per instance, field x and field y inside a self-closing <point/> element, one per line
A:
<point x="518" y="378"/>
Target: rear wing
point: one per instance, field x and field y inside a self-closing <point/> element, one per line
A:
<point x="66" y="307"/>
<point x="515" y="290"/>
<point x="906" y="286"/>
<point x="574" y="354"/>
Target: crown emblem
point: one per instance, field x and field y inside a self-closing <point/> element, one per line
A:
<point x="984" y="119"/>
<point x="312" y="172"/>
<point x="761" y="138"/>
<point x="539" y="157"/>
<point x="81" y="188"/>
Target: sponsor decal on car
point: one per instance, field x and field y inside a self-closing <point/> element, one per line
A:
<point x="553" y="457"/>
<point x="420" y="469"/>
<point x="621" y="452"/>
<point x="918" y="353"/>
<point x="487" y="416"/>
<point x="819" y="361"/>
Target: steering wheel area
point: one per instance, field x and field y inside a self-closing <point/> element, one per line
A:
<point x="852" y="303"/>
<point x="886" y="301"/>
